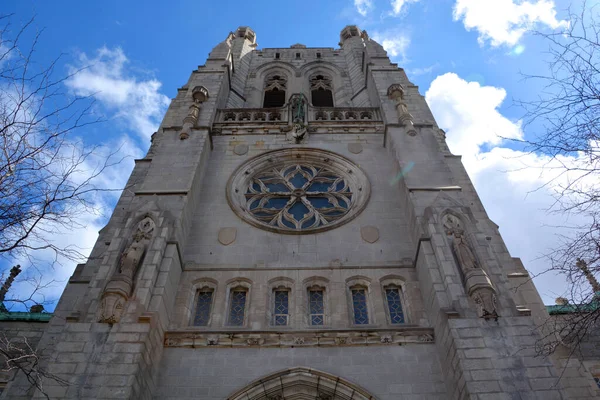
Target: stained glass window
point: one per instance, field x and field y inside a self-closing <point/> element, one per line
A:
<point x="237" y="308"/>
<point x="298" y="190"/>
<point x="316" y="307"/>
<point x="394" y="305"/>
<point x="281" y="307"/>
<point x="298" y="196"/>
<point x="359" y="303"/>
<point x="203" y="305"/>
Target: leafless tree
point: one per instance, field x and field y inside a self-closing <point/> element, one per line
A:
<point x="47" y="174"/>
<point x="567" y="113"/>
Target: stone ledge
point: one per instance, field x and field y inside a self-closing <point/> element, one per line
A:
<point x="321" y="338"/>
<point x="434" y="189"/>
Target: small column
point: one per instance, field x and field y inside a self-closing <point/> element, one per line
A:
<point x="396" y="93"/>
<point x="200" y="95"/>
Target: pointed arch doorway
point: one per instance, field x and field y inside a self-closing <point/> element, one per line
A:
<point x="301" y="384"/>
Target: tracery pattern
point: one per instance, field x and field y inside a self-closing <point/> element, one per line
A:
<point x="298" y="191"/>
<point x="203" y="306"/>
<point x="298" y="196"/>
<point x="394" y="305"/>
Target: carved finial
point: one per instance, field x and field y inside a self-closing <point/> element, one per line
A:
<point x="561" y="301"/>
<point x="247" y="33"/>
<point x="348" y="32"/>
<point x="200" y="94"/>
<point x="396" y="92"/>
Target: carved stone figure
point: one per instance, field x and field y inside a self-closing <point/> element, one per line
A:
<point x="485" y="299"/>
<point x="477" y="283"/>
<point x="119" y="288"/>
<point x="461" y="248"/>
<point x="298" y="106"/>
<point x="298" y="132"/>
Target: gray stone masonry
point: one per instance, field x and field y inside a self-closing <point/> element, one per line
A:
<point x="450" y="345"/>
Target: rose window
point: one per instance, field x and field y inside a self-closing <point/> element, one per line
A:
<point x="298" y="190"/>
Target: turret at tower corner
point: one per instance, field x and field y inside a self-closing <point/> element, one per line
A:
<point x="272" y="244"/>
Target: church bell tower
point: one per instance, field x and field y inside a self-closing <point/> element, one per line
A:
<point x="298" y="230"/>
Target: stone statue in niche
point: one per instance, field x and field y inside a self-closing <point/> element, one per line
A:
<point x="120" y="286"/>
<point x="298" y="106"/>
<point x="477" y="283"/>
<point x="461" y="248"/>
<point x="299" y="128"/>
<point x="132" y="255"/>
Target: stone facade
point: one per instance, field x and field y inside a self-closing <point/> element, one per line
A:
<point x="361" y="265"/>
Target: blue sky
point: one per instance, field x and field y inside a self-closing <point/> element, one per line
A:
<point x="467" y="56"/>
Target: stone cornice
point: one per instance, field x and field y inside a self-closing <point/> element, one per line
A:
<point x="191" y="266"/>
<point x="321" y="338"/>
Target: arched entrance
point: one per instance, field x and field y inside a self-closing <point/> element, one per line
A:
<point x="301" y="384"/>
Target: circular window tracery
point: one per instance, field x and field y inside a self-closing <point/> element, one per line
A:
<point x="298" y="190"/>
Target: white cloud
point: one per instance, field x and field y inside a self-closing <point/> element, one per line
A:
<point x="422" y="71"/>
<point x="397" y="5"/>
<point x="395" y="42"/>
<point x="510" y="183"/>
<point x="363" y="6"/>
<point x="503" y="22"/>
<point x="122" y="93"/>
<point x="105" y="77"/>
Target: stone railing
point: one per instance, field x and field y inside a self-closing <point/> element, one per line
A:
<point x="251" y="115"/>
<point x="281" y="115"/>
<point x="345" y="114"/>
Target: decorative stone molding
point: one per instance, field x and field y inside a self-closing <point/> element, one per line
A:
<point x="369" y="234"/>
<point x="241" y="149"/>
<point x="199" y="95"/>
<point x="238" y="121"/>
<point x="227" y="236"/>
<point x="301" y="383"/>
<point x="291" y="200"/>
<point x="355" y="148"/>
<point x="396" y="92"/>
<point x="120" y="286"/>
<point x="323" y="338"/>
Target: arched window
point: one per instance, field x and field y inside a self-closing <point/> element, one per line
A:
<point x="204" y="301"/>
<point x="321" y="91"/>
<point x="393" y="299"/>
<point x="201" y="303"/>
<point x="316" y="306"/>
<point x="359" y="305"/>
<point x="281" y="307"/>
<point x="275" y="87"/>
<point x="238" y="297"/>
<point x="360" y="310"/>
<point x="280" y="302"/>
<point x="237" y="306"/>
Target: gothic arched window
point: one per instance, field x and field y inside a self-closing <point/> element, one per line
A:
<point x="275" y="87"/>
<point x="204" y="300"/>
<point x="281" y="307"/>
<point x="393" y="299"/>
<point x="316" y="306"/>
<point x="321" y="91"/>
<point x="359" y="305"/>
